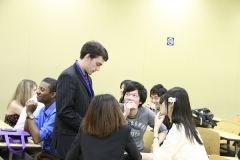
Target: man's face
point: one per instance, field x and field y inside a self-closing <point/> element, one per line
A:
<point x="132" y="96"/>
<point x="155" y="99"/>
<point x="93" y="64"/>
<point x="43" y="93"/>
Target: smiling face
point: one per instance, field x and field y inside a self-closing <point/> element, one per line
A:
<point x="93" y="64"/>
<point x="155" y="99"/>
<point x="43" y="93"/>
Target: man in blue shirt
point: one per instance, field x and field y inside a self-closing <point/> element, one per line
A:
<point x="41" y="126"/>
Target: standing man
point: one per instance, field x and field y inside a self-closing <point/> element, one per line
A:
<point x="41" y="126"/>
<point x="74" y="92"/>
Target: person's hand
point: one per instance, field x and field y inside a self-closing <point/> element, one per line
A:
<point x="31" y="106"/>
<point x="151" y="149"/>
<point x="151" y="105"/>
<point x="128" y="106"/>
<point x="158" y="120"/>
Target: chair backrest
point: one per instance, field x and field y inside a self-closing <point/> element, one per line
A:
<point x="211" y="140"/>
<point x="216" y="157"/>
<point x="228" y="126"/>
<point x="147" y="140"/>
<point x="237" y="118"/>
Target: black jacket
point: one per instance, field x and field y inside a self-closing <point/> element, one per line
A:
<point x="111" y="147"/>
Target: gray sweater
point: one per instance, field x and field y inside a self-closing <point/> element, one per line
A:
<point x="139" y="123"/>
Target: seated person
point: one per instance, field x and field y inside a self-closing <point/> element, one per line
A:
<point x="23" y="115"/>
<point x="103" y="133"/>
<point x="123" y="84"/>
<point x="155" y="94"/>
<point x="41" y="127"/>
<point x="183" y="141"/>
<point x="139" y="117"/>
<point x="25" y="90"/>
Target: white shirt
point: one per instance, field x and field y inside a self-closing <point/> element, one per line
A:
<point x="23" y="115"/>
<point x="178" y="147"/>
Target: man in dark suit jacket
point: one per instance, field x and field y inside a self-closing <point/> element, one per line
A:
<point x="74" y="92"/>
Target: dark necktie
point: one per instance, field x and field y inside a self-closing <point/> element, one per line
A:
<point x="86" y="79"/>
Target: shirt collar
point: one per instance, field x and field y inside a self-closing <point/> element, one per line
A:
<point x="49" y="110"/>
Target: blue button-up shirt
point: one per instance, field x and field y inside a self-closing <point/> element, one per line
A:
<point x="45" y="122"/>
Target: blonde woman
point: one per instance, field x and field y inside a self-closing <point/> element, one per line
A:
<point x="25" y="90"/>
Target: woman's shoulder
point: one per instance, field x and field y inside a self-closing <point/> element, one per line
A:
<point x="13" y="106"/>
<point x="125" y="128"/>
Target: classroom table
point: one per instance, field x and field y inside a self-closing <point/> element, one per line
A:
<point x="29" y="145"/>
<point x="229" y="137"/>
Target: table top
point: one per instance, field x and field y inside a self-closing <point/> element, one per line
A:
<point x="227" y="136"/>
<point x="30" y="143"/>
<point x="4" y="125"/>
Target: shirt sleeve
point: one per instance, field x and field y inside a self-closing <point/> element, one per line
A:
<point x="152" y="115"/>
<point x="45" y="132"/>
<point x="174" y="138"/>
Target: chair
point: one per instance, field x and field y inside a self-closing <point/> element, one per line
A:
<point x="217" y="157"/>
<point x="147" y="140"/>
<point x="237" y="119"/>
<point x="230" y="127"/>
<point x="211" y="140"/>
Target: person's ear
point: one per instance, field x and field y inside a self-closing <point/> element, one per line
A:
<point x="87" y="56"/>
<point x="53" y="95"/>
<point x="171" y="105"/>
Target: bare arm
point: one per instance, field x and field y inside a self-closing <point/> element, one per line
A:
<point x="158" y="137"/>
<point x="147" y="156"/>
<point x="14" y="108"/>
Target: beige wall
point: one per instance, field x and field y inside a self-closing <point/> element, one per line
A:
<point x="40" y="39"/>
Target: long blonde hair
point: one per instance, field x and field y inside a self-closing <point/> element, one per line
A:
<point x="23" y="92"/>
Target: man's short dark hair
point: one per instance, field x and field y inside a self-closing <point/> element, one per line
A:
<point x="52" y="82"/>
<point x="158" y="90"/>
<point x="132" y="86"/>
<point x="95" y="50"/>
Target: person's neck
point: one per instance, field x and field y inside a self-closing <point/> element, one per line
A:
<point x="170" y="118"/>
<point x="81" y="65"/>
<point x="133" y="113"/>
<point x="49" y="103"/>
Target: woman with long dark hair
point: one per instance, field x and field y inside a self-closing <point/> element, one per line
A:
<point x="183" y="140"/>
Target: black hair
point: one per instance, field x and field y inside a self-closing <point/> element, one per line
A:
<point x="52" y="82"/>
<point x="142" y="92"/>
<point x="125" y="82"/>
<point x="158" y="89"/>
<point x="95" y="50"/>
<point x="182" y="113"/>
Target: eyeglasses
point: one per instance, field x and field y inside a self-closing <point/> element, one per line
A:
<point x="133" y="95"/>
